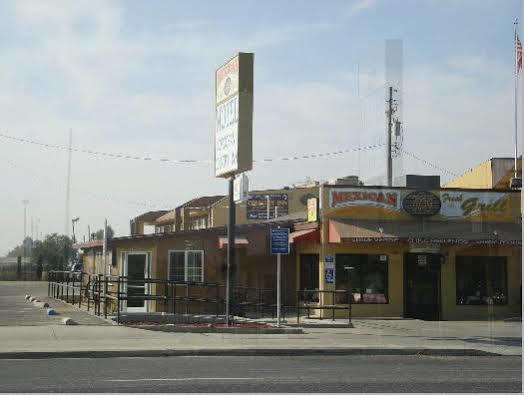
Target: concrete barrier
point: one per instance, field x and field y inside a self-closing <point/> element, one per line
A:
<point x="68" y="321"/>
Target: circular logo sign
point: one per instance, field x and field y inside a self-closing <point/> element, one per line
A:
<point x="421" y="203"/>
<point x="227" y="86"/>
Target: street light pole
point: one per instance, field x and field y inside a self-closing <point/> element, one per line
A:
<point x="25" y="202"/>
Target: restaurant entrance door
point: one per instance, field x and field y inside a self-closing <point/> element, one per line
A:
<point x="422" y="286"/>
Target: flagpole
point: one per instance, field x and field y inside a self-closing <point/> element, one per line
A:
<point x="516" y="88"/>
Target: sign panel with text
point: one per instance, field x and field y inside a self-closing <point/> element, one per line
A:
<point x="279" y="241"/>
<point x="234" y="116"/>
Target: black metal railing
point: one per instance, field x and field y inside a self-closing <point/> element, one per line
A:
<point x="308" y="300"/>
<point x="110" y="295"/>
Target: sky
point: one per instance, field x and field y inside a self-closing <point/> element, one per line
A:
<point x="137" y="78"/>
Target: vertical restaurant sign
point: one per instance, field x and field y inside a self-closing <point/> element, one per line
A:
<point x="464" y="204"/>
<point x="234" y="116"/>
<point x="256" y="207"/>
<point x="346" y="197"/>
<point x="312" y="209"/>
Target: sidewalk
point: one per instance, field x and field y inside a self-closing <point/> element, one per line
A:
<point x="40" y="336"/>
<point x="452" y="338"/>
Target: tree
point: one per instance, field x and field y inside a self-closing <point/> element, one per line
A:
<point x="99" y="234"/>
<point x="55" y="252"/>
<point x="19" y="250"/>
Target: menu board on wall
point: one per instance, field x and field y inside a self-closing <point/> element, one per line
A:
<point x="257" y="205"/>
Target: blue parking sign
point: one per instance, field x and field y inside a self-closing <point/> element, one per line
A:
<point x="329" y="275"/>
<point x="279" y="241"/>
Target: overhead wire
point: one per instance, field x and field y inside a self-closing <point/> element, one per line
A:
<point x="183" y="161"/>
<point x="37" y="181"/>
<point x="428" y="163"/>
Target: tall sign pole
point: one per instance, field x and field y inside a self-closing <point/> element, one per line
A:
<point x="233" y="138"/>
<point x="230" y="245"/>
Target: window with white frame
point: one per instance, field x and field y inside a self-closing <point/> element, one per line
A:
<point x="186" y="265"/>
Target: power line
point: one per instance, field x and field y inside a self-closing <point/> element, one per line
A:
<point x="428" y="163"/>
<point x="184" y="161"/>
<point x="105" y="197"/>
<point x="98" y="153"/>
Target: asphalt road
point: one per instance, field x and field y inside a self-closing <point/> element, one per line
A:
<point x="264" y="374"/>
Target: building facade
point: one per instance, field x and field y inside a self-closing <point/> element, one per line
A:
<point x="401" y="252"/>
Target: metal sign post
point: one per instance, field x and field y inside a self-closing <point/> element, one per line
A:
<point x="279" y="245"/>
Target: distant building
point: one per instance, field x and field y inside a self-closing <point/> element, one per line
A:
<point x="495" y="173"/>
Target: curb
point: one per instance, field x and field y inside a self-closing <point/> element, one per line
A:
<point x="451" y="352"/>
<point x="233" y="330"/>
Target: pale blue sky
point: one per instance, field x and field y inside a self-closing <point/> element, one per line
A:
<point x="137" y="77"/>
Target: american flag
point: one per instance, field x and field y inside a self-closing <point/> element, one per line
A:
<point x="518" y="52"/>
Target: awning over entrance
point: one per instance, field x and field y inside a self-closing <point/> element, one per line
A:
<point x="240" y="241"/>
<point x="443" y="232"/>
<point x="311" y="235"/>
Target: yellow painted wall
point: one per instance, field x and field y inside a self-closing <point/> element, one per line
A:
<point x="478" y="177"/>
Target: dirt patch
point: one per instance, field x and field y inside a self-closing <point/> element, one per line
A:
<point x="251" y="325"/>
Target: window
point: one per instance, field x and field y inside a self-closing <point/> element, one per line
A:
<point x="186" y="265"/>
<point x="481" y="280"/>
<point x="177" y="265"/>
<point x="199" y="223"/>
<point x="367" y="277"/>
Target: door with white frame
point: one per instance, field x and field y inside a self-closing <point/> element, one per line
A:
<point x="136" y="267"/>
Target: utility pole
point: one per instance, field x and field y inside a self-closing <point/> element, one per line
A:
<point x="25" y="202"/>
<point x="390" y="119"/>
<point x="68" y="182"/>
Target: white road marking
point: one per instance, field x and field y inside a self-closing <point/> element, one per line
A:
<point x="198" y="378"/>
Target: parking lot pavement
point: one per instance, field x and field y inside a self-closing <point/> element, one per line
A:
<point x="16" y="311"/>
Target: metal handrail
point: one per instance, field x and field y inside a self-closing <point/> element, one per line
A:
<point x="102" y="290"/>
<point x="320" y="306"/>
